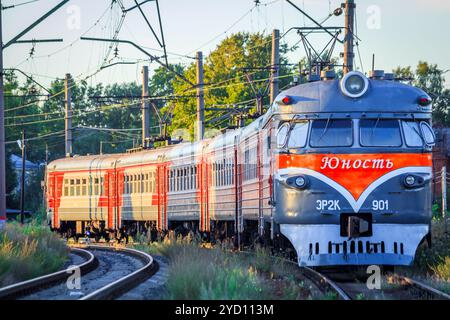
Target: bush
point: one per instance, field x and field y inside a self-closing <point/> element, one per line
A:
<point x="442" y="269"/>
<point x="29" y="251"/>
<point x="428" y="258"/>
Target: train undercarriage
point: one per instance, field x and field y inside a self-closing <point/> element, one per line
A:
<point x="147" y="231"/>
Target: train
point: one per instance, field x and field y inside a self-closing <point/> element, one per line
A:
<point x="338" y="170"/>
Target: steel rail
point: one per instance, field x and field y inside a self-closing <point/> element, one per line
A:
<point x="317" y="278"/>
<point x="120" y="286"/>
<point x="322" y="280"/>
<point x="424" y="287"/>
<point x="25" y="287"/>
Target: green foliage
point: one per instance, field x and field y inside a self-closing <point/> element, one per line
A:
<point x="430" y="78"/>
<point x="225" y="72"/>
<point x="428" y="260"/>
<point x="234" y="284"/>
<point x="29" y="251"/>
<point x="442" y="269"/>
<point x="330" y="296"/>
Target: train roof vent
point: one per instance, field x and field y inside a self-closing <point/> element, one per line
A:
<point x="313" y="77"/>
<point x="389" y="76"/>
<point x="327" y="74"/>
<point x="376" y="74"/>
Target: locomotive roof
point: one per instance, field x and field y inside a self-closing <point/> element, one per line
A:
<point x="382" y="96"/>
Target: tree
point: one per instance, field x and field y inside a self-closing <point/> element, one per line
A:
<point x="225" y="80"/>
<point x="430" y="78"/>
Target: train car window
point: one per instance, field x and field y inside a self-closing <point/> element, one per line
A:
<point x="84" y="187"/>
<point x="299" y="134"/>
<point x="380" y="133"/>
<point x="282" y="135"/>
<point x="78" y="187"/>
<point x="331" y="133"/>
<point x="428" y="133"/>
<point x="66" y="187"/>
<point x="130" y="185"/>
<point x="413" y="136"/>
<point x="72" y="188"/>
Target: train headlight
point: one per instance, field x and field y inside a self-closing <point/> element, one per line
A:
<point x="300" y="182"/>
<point x="410" y="180"/>
<point x="354" y="84"/>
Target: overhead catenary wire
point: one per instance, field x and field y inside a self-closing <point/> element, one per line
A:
<point x="38" y="137"/>
<point x="105" y="108"/>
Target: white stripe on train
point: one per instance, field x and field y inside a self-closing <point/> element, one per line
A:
<point x="355" y="204"/>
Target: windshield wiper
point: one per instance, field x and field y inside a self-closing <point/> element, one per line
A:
<point x="325" y="129"/>
<point x="373" y="129"/>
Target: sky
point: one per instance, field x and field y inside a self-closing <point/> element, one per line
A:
<point x="398" y="32"/>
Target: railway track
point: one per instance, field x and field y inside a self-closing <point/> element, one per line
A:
<point x="346" y="285"/>
<point x="351" y="286"/>
<point x="106" y="273"/>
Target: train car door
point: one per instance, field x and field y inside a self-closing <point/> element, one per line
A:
<point x="110" y="192"/>
<point x="259" y="164"/>
<point x="238" y="220"/>
<point x="162" y="189"/>
<point x="52" y="199"/>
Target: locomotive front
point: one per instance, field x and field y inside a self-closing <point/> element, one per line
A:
<point x="352" y="183"/>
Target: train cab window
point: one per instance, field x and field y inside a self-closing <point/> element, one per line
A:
<point x="331" y="133"/>
<point x="380" y="133"/>
<point x="428" y="133"/>
<point x="298" y="135"/>
<point x="413" y="136"/>
<point x="282" y="135"/>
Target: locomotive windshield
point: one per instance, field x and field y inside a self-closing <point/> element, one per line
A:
<point x="339" y="133"/>
<point x="413" y="136"/>
<point x="380" y="133"/>
<point x="331" y="133"/>
<point x="298" y="135"/>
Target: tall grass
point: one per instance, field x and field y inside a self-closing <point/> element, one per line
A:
<point x="29" y="251"/>
<point x="427" y="259"/>
<point x="198" y="272"/>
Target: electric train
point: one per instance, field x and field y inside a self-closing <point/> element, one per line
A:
<point x="337" y="169"/>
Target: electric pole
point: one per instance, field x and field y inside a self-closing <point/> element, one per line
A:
<point x="22" y="186"/>
<point x="145" y="109"/>
<point x="349" y="29"/>
<point x="2" y="134"/>
<point x="68" y="117"/>
<point x="200" y="98"/>
<point x="275" y="64"/>
<point x="444" y="195"/>
<point x="15" y="39"/>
